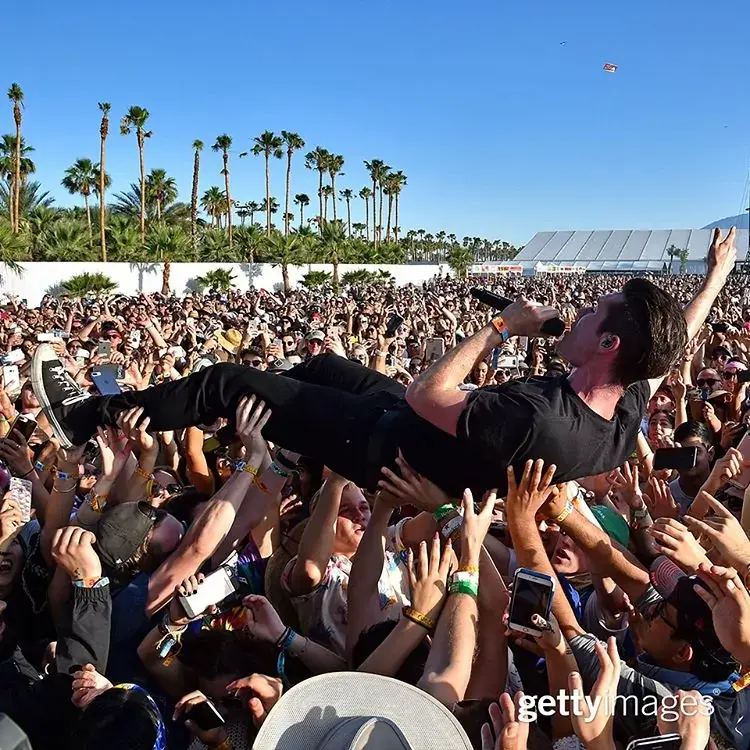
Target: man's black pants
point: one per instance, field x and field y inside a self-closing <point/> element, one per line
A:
<point x="325" y="408"/>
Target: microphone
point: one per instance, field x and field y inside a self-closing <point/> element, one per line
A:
<point x="552" y="327"/>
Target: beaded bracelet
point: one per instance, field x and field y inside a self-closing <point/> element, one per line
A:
<point x="419" y="618"/>
<point x="278" y="470"/>
<point x="64" y="476"/>
<point x="97" y="501"/>
<point x="139" y="470"/>
<point x="39" y="466"/>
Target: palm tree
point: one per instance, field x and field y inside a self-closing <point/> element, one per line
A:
<point x="302" y="200"/>
<point x="88" y="283"/>
<point x="166" y="244"/>
<point x="13" y="248"/>
<point x="397" y="181"/>
<point x="285" y="252"/>
<point x="253" y="207"/>
<point x="81" y="179"/>
<point x="30" y="198"/>
<point x="269" y="144"/>
<point x="365" y="194"/>
<point x="160" y="189"/>
<point x="378" y="170"/>
<point x="327" y="191"/>
<point x="459" y="259"/>
<point x="135" y="119"/>
<point x="215" y="246"/>
<point x="66" y="240"/>
<point x="15" y="94"/>
<point x="335" y="163"/>
<point x="124" y="239"/>
<point x="218" y="279"/>
<point x="224" y="143"/>
<point x="197" y="148"/>
<point x="214" y="203"/>
<point x="347" y="195"/>
<point x="8" y="151"/>
<point x="293" y="143"/>
<point x="332" y="244"/>
<point x="247" y="240"/>
<point x="104" y="107"/>
<point x="359" y="228"/>
<point x="318" y="159"/>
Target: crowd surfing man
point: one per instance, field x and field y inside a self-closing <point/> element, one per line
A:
<point x="356" y="421"/>
<point x="106" y="627"/>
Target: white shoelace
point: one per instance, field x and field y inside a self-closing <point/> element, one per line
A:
<point x="60" y="374"/>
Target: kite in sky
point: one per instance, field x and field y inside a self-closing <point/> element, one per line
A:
<point x="609" y="68"/>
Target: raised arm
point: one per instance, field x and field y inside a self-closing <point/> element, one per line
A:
<point x="434" y="395"/>
<point x="316" y="545"/>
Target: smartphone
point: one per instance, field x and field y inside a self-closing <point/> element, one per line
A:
<point x="215" y="588"/>
<point x="205" y="715"/>
<point x="135" y="339"/>
<point x="104" y="349"/>
<point x="743" y="376"/>
<point x="11" y="378"/>
<point x="43" y="338"/>
<point x="118" y="371"/>
<point x="532" y="595"/>
<point x="279" y="343"/>
<point x="675" y="458"/>
<point x="105" y="382"/>
<point x="58" y="333"/>
<point x="434" y="349"/>
<point x="663" y="742"/>
<point x="719" y="327"/>
<point x="22" y="429"/>
<point x="20" y="489"/>
<point x="742" y="480"/>
<point x="13" y="357"/>
<point x="83" y="354"/>
<point x="394" y="324"/>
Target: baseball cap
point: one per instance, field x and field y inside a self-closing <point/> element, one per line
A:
<point x="315" y="336"/>
<point x="358" y="711"/>
<point x="711" y="661"/>
<point x="122" y="530"/>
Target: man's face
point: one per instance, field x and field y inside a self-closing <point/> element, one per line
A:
<point x="289" y="344"/>
<point x="653" y="629"/>
<point x="253" y="360"/>
<point x="314" y="347"/>
<point x="708" y="378"/>
<point x="11" y="563"/>
<point x="660" y="402"/>
<point x="568" y="558"/>
<point x="660" y="426"/>
<point x="718" y="359"/>
<point x="354" y="515"/>
<point x="582" y="342"/>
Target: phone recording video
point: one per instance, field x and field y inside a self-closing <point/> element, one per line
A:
<point x="205" y="715"/>
<point x="532" y="595"/>
<point x="682" y="459"/>
<point x="22" y="429"/>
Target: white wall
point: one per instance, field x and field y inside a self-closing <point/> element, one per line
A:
<point x="146" y="277"/>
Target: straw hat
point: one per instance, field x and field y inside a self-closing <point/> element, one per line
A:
<point x="359" y="711"/>
<point x="230" y="340"/>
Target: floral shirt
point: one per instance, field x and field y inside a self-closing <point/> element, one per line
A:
<point x="322" y="612"/>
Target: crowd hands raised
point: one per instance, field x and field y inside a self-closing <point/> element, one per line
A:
<point x="648" y="632"/>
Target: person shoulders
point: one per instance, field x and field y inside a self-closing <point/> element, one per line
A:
<point x="335" y="575"/>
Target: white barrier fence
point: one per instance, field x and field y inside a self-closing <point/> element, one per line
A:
<point x="132" y="278"/>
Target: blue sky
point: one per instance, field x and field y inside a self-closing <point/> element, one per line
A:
<point x="501" y="130"/>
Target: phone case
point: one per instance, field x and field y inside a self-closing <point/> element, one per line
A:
<point x="215" y="588"/>
<point x="20" y="490"/>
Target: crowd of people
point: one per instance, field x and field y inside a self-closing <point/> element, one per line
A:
<point x="200" y="546"/>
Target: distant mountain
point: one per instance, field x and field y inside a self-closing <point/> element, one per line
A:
<point x="741" y="222"/>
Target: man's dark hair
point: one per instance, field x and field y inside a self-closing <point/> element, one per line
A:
<point x="693" y="429"/>
<point x="652" y="331"/>
<point x="182" y="505"/>
<point x="413" y="667"/>
<point x="218" y="652"/>
<point x="117" y="720"/>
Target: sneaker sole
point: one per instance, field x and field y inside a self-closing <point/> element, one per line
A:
<point x="37" y="383"/>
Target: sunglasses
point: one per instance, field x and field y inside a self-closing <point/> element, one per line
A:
<point x="252" y="362"/>
<point x="730" y="374"/>
<point x="170" y="489"/>
<point x="655" y="609"/>
<point x="706" y="381"/>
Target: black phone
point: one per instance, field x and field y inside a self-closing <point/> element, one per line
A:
<point x="675" y="458"/>
<point x="206" y="716"/>
<point x="743" y="376"/>
<point x="22" y="429"/>
<point x="663" y="742"/>
<point x="393" y="325"/>
<point x="719" y="327"/>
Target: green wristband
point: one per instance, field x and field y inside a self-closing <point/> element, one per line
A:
<point x="464" y="587"/>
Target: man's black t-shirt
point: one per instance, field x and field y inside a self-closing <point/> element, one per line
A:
<point x="508" y="424"/>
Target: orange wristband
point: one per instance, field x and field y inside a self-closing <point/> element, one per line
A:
<point x="499" y="325"/>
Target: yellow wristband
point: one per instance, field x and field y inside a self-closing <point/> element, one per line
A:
<point x="142" y="473"/>
<point x="469" y="569"/>
<point x="419" y="618"/>
<point x="566" y="511"/>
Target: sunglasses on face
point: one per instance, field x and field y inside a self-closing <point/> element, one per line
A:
<point x="252" y="362"/>
<point x="170" y="489"/>
<point x="655" y="609"/>
<point x="701" y="382"/>
<point x="730" y="374"/>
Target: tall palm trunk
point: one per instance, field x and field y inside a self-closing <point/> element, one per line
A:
<point x="333" y="196"/>
<point x="143" y="185"/>
<point x="16" y="223"/>
<point x="88" y="219"/>
<point x="396" y="224"/>
<point x="335" y="261"/>
<point x="166" y="272"/>
<point x="268" y="195"/>
<point x="194" y="199"/>
<point x="103" y="131"/>
<point x="229" y="202"/>
<point x="349" y="216"/>
<point x="380" y="214"/>
<point x="325" y="209"/>
<point x="288" y="190"/>
<point x="320" y="198"/>
<point x="388" y="225"/>
<point x="158" y="209"/>
<point x="367" y="220"/>
<point x="301" y="215"/>
<point x="252" y="218"/>
<point x="374" y="213"/>
<point x="285" y="278"/>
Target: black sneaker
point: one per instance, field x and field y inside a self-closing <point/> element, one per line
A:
<point x="58" y="394"/>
